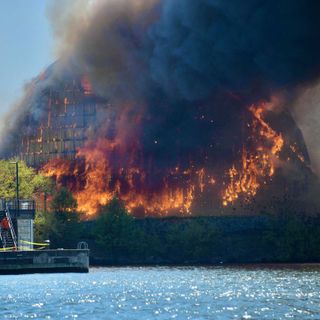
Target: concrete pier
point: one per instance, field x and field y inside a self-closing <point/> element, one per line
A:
<point x="44" y="261"/>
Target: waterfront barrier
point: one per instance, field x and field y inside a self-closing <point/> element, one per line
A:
<point x="44" y="261"/>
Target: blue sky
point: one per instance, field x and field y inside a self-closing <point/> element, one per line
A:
<point x="26" y="46"/>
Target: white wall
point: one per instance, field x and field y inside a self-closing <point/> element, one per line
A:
<point x="25" y="233"/>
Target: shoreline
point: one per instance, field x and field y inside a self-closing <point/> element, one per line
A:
<point x="271" y="265"/>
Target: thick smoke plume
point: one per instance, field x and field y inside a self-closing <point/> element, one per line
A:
<point x="170" y="55"/>
<point x="181" y="76"/>
<point x="192" y="49"/>
<point x="185" y="59"/>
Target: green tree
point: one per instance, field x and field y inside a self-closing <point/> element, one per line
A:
<point x="191" y="241"/>
<point x="62" y="224"/>
<point x="63" y="202"/>
<point x="40" y="227"/>
<point x="116" y="231"/>
<point x="30" y="182"/>
<point x="293" y="238"/>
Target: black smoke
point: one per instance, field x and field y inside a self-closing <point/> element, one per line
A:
<point x="195" y="65"/>
<point x="199" y="47"/>
<point x="190" y="68"/>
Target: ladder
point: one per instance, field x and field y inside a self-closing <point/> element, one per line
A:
<point x="11" y="238"/>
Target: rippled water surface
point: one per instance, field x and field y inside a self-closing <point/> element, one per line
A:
<point x="165" y="293"/>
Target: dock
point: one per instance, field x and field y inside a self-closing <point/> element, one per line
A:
<point x="44" y="261"/>
<point x="19" y="253"/>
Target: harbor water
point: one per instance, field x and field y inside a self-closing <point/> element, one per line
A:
<point x="243" y="292"/>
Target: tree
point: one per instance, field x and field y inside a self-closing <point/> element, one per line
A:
<point x="30" y="182"/>
<point x="63" y="201"/>
<point x="293" y="238"/>
<point x="116" y="231"/>
<point x="40" y="227"/>
<point x="192" y="241"/>
<point x="62" y="223"/>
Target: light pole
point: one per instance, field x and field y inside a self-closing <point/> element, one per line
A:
<point x="17" y="181"/>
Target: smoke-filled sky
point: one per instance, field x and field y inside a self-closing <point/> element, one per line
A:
<point x="175" y="52"/>
<point x="26" y="46"/>
<point x="173" y="55"/>
<point x="192" y="48"/>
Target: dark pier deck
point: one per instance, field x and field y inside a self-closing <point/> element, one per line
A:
<point x="44" y="261"/>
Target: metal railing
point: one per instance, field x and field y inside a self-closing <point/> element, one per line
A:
<point x="17" y="205"/>
<point x="11" y="227"/>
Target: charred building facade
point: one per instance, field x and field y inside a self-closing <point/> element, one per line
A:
<point x="70" y="133"/>
<point x="67" y="118"/>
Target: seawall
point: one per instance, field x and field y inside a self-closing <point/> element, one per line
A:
<point x="44" y="261"/>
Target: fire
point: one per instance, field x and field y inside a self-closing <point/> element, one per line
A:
<point x="108" y="167"/>
<point x="98" y="180"/>
<point x="295" y="150"/>
<point x="257" y="165"/>
<point x="86" y="85"/>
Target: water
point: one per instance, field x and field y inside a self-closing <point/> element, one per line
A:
<point x="164" y="293"/>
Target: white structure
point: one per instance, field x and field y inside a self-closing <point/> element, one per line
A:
<point x="25" y="234"/>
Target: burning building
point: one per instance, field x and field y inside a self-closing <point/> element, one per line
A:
<point x="176" y="109"/>
<point x="71" y="112"/>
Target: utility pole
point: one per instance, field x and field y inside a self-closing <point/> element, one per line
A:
<point x="17" y="182"/>
<point x="45" y="202"/>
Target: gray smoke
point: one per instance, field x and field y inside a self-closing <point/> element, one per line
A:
<point x="208" y="45"/>
<point x="306" y="110"/>
<point x="105" y="39"/>
<point x="192" y="49"/>
<point x="182" y="59"/>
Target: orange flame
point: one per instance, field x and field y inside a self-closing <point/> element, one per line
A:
<point x="258" y="166"/>
<point x="102" y="182"/>
<point x="295" y="150"/>
<point x="109" y="167"/>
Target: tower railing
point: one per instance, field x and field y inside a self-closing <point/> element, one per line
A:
<point x="11" y="227"/>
